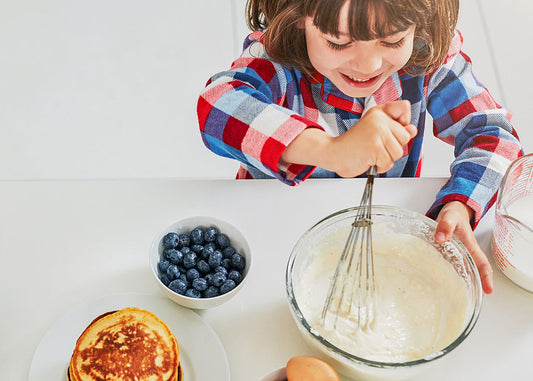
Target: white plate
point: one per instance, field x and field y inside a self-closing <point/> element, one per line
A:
<point x="202" y="355"/>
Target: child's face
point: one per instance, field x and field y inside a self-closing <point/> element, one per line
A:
<point x="357" y="68"/>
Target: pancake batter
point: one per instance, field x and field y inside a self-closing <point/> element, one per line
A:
<point x="421" y="305"/>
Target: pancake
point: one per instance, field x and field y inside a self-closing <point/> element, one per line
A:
<point x="129" y="344"/>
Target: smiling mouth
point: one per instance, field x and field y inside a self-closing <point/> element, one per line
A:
<point x="361" y="82"/>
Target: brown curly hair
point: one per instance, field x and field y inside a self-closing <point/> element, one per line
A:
<point x="284" y="36"/>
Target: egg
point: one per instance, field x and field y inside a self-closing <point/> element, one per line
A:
<point x="308" y="368"/>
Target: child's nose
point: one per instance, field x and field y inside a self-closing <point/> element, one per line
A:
<point x="366" y="60"/>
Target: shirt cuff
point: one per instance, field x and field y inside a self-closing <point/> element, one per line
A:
<point x="449" y="192"/>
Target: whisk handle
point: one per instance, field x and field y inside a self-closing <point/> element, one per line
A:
<point x="373" y="171"/>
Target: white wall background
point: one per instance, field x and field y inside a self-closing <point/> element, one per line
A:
<point x="108" y="89"/>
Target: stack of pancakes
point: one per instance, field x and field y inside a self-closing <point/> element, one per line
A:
<point x="129" y="344"/>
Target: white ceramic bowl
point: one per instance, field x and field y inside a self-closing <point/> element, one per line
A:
<point x="276" y="375"/>
<point x="396" y="220"/>
<point x="186" y="225"/>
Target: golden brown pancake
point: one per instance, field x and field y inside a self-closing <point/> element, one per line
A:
<point x="129" y="344"/>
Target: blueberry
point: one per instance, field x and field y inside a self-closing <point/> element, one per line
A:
<point x="198" y="249"/>
<point x="189" y="260"/>
<point x="173" y="272"/>
<point x="192" y="293"/>
<point x="185" y="250"/>
<point x="208" y="250"/>
<point x="178" y="286"/>
<point x="209" y="279"/>
<point x="226" y="262"/>
<point x="192" y="274"/>
<point x="235" y="276"/>
<point x="167" y="251"/>
<point x="197" y="236"/>
<point x="202" y="266"/>
<point x="210" y="246"/>
<point x="227" y="286"/>
<point x="170" y="240"/>
<point x="228" y="252"/>
<point x="210" y="234"/>
<point x="184" y="240"/>
<point x="163" y="266"/>
<point x="222" y="240"/>
<point x="221" y="269"/>
<point x="199" y="284"/>
<point x="214" y="259"/>
<point x="218" y="279"/>
<point x="238" y="261"/>
<point x="211" y="292"/>
<point x="165" y="279"/>
<point x="175" y="256"/>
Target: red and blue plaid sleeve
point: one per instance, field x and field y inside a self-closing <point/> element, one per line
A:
<point x="465" y="115"/>
<point x="242" y="116"/>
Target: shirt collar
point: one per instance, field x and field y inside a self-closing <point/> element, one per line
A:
<point x="390" y="91"/>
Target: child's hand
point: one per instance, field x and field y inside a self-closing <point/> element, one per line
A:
<point x="454" y="217"/>
<point x="378" y="138"/>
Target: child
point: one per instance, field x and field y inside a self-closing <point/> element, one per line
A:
<point x="291" y="107"/>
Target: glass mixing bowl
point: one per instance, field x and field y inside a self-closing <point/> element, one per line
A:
<point x="389" y="220"/>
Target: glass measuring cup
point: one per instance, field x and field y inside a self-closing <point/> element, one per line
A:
<point x="512" y="238"/>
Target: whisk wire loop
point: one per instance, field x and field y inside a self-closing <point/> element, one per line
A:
<point x="351" y="294"/>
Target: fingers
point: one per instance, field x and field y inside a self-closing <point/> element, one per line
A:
<point x="411" y="130"/>
<point x="394" y="142"/>
<point x="481" y="261"/>
<point x="389" y="132"/>
<point x="400" y="111"/>
<point x="485" y="272"/>
<point x="399" y="137"/>
<point x="479" y="257"/>
<point x="397" y="132"/>
<point x="455" y="221"/>
<point x="379" y="138"/>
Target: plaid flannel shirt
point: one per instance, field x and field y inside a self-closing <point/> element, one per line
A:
<point x="253" y="111"/>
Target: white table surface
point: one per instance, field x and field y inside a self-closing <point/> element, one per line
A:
<point x="66" y="243"/>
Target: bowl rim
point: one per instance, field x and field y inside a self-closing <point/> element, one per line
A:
<point x="205" y="221"/>
<point x="334" y="350"/>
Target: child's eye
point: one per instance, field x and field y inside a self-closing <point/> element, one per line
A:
<point x="335" y="46"/>
<point x="394" y="45"/>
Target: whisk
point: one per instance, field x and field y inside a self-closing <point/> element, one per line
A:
<point x="351" y="298"/>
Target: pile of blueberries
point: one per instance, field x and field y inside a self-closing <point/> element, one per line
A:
<point x="201" y="263"/>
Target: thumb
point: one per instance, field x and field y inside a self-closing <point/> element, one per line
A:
<point x="444" y="230"/>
